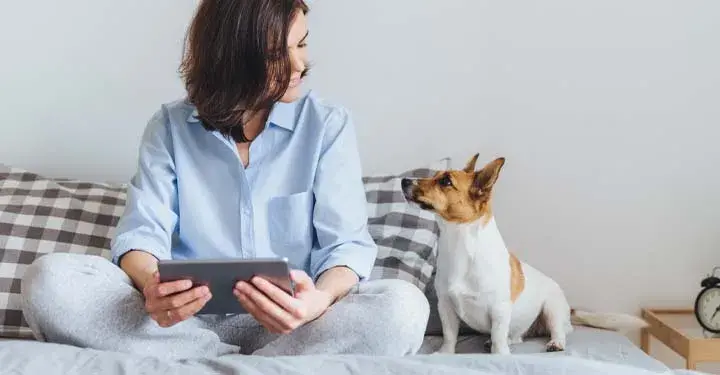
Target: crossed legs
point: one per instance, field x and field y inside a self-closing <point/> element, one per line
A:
<point x="87" y="301"/>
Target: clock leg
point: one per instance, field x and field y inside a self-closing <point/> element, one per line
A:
<point x="645" y="340"/>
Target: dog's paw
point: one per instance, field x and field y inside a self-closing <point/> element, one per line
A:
<point x="497" y="349"/>
<point x="500" y="349"/>
<point x="516" y="340"/>
<point x="555" y="346"/>
<point x="446" y="349"/>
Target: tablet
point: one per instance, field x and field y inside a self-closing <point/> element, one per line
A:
<point x="221" y="275"/>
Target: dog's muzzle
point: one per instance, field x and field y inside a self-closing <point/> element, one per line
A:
<point x="407" y="188"/>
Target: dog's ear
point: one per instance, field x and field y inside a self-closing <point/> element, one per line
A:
<point x="470" y="166"/>
<point x="486" y="177"/>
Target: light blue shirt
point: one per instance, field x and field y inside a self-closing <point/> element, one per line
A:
<point x="301" y="196"/>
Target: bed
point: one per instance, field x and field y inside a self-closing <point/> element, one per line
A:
<point x="40" y="215"/>
<point x="585" y="343"/>
<point x="590" y="351"/>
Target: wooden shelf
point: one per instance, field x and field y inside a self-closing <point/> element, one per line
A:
<point x="680" y="331"/>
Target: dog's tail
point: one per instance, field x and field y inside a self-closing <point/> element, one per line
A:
<point x="610" y="321"/>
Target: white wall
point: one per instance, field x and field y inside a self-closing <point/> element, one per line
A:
<point x="606" y="111"/>
<point x="80" y="78"/>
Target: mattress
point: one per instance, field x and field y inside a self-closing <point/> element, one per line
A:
<point x="589" y="352"/>
<point x="588" y="343"/>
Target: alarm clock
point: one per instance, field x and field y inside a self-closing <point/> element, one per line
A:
<point x="707" y="305"/>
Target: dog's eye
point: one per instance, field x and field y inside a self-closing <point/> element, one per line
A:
<point x="445" y="181"/>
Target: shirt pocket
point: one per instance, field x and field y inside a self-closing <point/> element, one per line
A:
<point x="290" y="224"/>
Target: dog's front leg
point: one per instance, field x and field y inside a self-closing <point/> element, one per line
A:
<point x="500" y="316"/>
<point x="450" y="324"/>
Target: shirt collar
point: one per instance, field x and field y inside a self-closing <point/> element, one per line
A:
<point x="283" y="115"/>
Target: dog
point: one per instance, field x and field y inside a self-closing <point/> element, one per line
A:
<point x="479" y="282"/>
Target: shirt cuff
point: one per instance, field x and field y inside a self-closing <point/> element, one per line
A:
<point x="359" y="259"/>
<point x="124" y="245"/>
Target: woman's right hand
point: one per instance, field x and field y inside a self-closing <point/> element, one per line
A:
<point x="170" y="303"/>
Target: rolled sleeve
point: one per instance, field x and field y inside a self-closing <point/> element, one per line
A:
<point x="150" y="214"/>
<point x="340" y="213"/>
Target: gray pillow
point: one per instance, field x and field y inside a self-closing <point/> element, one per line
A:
<point x="41" y="215"/>
<point x="405" y="234"/>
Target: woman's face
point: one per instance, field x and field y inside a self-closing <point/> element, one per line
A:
<point x="297" y="48"/>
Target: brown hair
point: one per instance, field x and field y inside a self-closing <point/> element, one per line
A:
<point x="236" y="61"/>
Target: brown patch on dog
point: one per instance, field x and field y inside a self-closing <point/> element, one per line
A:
<point x="459" y="196"/>
<point x="517" y="278"/>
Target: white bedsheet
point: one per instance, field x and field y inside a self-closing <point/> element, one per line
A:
<point x="589" y="352"/>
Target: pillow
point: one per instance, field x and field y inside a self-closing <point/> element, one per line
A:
<point x="405" y="234"/>
<point x="39" y="215"/>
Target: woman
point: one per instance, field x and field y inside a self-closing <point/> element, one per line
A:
<point x="248" y="166"/>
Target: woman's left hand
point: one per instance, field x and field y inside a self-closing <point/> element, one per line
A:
<point x="278" y="311"/>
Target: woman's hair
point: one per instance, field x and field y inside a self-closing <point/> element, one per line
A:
<point x="236" y="60"/>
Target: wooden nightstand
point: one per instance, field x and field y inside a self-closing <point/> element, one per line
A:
<point x="678" y="329"/>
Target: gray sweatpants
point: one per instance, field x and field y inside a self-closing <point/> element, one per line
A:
<point x="89" y="302"/>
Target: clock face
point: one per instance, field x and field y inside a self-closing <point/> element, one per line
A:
<point x="707" y="308"/>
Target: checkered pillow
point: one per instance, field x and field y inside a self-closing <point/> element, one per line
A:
<point x="39" y="215"/>
<point x="405" y="234"/>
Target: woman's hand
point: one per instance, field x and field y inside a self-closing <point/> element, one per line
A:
<point x="275" y="309"/>
<point x="172" y="302"/>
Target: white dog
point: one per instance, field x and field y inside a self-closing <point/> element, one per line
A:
<point x="479" y="282"/>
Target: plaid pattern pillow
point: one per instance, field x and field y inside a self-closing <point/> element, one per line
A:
<point x="39" y="215"/>
<point x="405" y="234"/>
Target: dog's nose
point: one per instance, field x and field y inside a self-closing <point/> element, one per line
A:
<point x="405" y="182"/>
